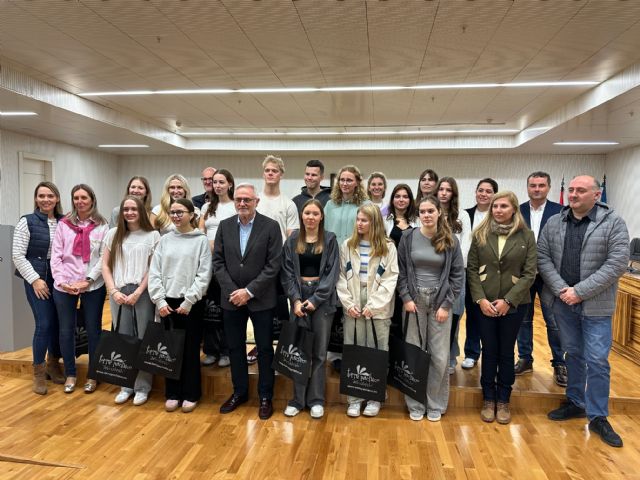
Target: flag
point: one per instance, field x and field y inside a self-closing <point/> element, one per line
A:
<point x="603" y="196"/>
<point x="562" y="192"/>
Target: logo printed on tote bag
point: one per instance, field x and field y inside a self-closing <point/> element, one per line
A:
<point x="403" y="371"/>
<point x="361" y="377"/>
<point x="160" y="352"/>
<point x="293" y="355"/>
<point x="114" y="365"/>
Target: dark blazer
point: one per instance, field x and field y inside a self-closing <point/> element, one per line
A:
<point x="257" y="270"/>
<point x="550" y="209"/>
<point x="508" y="276"/>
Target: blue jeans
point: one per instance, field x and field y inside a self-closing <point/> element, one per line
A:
<point x="525" y="335"/>
<point x="66" y="305"/>
<point x="46" y="333"/>
<point x="587" y="342"/>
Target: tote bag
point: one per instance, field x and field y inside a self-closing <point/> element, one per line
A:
<point x="409" y="364"/>
<point x="293" y="353"/>
<point x="161" y="349"/>
<point x="364" y="370"/>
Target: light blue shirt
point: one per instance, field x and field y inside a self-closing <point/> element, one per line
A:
<point x="245" y="231"/>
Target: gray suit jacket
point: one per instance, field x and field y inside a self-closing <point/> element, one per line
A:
<point x="257" y="270"/>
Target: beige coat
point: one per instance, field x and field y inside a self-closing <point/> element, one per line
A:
<point x="381" y="281"/>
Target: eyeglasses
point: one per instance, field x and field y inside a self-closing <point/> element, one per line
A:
<point x="206" y="179"/>
<point x="243" y="200"/>
<point x="177" y="213"/>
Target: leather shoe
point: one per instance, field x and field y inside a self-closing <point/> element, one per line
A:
<point x="560" y="375"/>
<point x="566" y="411"/>
<point x="266" y="409"/>
<point x="523" y="366"/>
<point x="233" y="402"/>
<point x="602" y="427"/>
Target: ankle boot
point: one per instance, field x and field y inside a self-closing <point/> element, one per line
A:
<point x="54" y="370"/>
<point x="39" y="379"/>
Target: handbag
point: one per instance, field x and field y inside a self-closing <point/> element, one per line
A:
<point x="293" y="353"/>
<point x="162" y="349"/>
<point x="116" y="353"/>
<point x="409" y="364"/>
<point x="364" y="370"/>
<point x="336" y="335"/>
<point x="81" y="338"/>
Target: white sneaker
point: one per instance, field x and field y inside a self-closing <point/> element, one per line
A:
<point x="188" y="406"/>
<point x="208" y="360"/>
<point x="416" y="415"/>
<point x="451" y="370"/>
<point x="468" y="363"/>
<point x="291" y="411"/>
<point x="372" y="409"/>
<point x="122" y="396"/>
<point x="140" y="398"/>
<point x="353" y="410"/>
<point x="171" y="405"/>
<point x="433" y="415"/>
<point x="224" y="361"/>
<point x="317" y="411"/>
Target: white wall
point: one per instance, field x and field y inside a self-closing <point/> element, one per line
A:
<point x="623" y="172"/>
<point x="72" y="165"/>
<point x="510" y="171"/>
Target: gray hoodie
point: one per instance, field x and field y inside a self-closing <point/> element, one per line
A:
<point x="180" y="268"/>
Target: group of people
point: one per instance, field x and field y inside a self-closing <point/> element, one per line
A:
<point x="336" y="255"/>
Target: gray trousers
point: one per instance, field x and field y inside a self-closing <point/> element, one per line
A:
<point x="319" y="322"/>
<point x="437" y="339"/>
<point x="145" y="313"/>
<point x="364" y="332"/>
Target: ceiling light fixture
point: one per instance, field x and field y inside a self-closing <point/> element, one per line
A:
<point x="585" y="143"/>
<point x="351" y="133"/>
<point x="373" y="88"/>
<point x="123" y="146"/>
<point x="17" y="114"/>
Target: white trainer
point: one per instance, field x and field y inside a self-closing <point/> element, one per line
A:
<point x="317" y="411"/>
<point x="291" y="411"/>
<point x="468" y="363"/>
<point x="122" y="396"/>
<point x="140" y="398"/>
<point x="416" y="415"/>
<point x="353" y="410"/>
<point x="224" y="361"/>
<point x="372" y="409"/>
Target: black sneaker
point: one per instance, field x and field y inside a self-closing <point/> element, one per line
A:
<point x="523" y="366"/>
<point x="567" y="410"/>
<point x="560" y="375"/>
<point x="602" y="427"/>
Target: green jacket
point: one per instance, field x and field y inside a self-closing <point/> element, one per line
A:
<point x="508" y="276"/>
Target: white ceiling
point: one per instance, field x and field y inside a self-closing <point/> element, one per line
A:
<point x="52" y="50"/>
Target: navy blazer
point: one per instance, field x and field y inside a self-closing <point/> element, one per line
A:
<point x="550" y="209"/>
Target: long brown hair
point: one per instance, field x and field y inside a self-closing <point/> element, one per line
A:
<point x="94" y="214"/>
<point x="454" y="207"/>
<point x="215" y="200"/>
<point x="301" y="244"/>
<point x="57" y="210"/>
<point x="426" y="173"/>
<point x="482" y="231"/>
<point x="147" y="197"/>
<point x="122" y="229"/>
<point x="410" y="214"/>
<point x="377" y="236"/>
<point x="443" y="239"/>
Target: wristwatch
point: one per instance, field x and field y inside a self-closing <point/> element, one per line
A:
<point x="90" y="280"/>
<point x="506" y="300"/>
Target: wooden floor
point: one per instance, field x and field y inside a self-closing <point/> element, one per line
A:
<point x="94" y="438"/>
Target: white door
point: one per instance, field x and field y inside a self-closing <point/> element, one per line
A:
<point x="33" y="171"/>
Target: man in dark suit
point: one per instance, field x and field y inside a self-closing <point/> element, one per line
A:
<point x="207" y="183"/>
<point x="536" y="212"/>
<point x="485" y="190"/>
<point x="246" y="262"/>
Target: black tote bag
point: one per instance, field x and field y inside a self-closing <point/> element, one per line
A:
<point x="81" y="339"/>
<point x="162" y="349"/>
<point x="364" y="370"/>
<point x="409" y="365"/>
<point x="293" y="353"/>
<point x="116" y="354"/>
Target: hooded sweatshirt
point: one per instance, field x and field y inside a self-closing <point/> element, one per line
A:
<point x="323" y="197"/>
<point x="180" y="268"/>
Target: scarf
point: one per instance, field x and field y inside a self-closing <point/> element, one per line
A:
<point x="82" y="243"/>
<point x="500" y="229"/>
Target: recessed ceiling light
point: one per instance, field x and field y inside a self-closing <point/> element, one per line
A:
<point x="585" y="143"/>
<point x="17" y="114"/>
<point x="123" y="146"/>
<point x="371" y="88"/>
<point x="351" y="133"/>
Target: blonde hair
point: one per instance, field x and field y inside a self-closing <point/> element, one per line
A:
<point x="482" y="231"/>
<point x="162" y="220"/>
<point x="360" y="193"/>
<point x="275" y="160"/>
<point x="377" y="236"/>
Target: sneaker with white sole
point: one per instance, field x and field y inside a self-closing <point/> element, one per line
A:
<point x="291" y="411"/>
<point x="171" y="405"/>
<point x="353" y="410"/>
<point x="372" y="409"/>
<point x="122" y="397"/>
<point x="468" y="363"/>
<point x="434" y="415"/>
<point x="317" y="411"/>
<point x="416" y="415"/>
<point x="188" y="407"/>
<point x="451" y="370"/>
<point x="224" y="361"/>
<point x="208" y="360"/>
<point x="140" y="398"/>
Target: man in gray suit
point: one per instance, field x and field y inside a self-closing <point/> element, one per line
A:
<point x="246" y="262"/>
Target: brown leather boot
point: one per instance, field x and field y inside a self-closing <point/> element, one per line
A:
<point x="39" y="379"/>
<point x="488" y="412"/>
<point x="503" y="414"/>
<point x="54" y="370"/>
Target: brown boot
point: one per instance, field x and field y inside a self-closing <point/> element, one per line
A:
<point x="39" y="379"/>
<point x="503" y="414"/>
<point x="54" y="370"/>
<point x="488" y="412"/>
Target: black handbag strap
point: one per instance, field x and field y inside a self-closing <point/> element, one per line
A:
<point x="373" y="329"/>
<point x="135" y="321"/>
<point x="406" y="328"/>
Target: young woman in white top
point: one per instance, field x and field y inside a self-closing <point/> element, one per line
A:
<point x="460" y="223"/>
<point x="125" y="269"/>
<point x="377" y="188"/>
<point x="221" y="207"/>
<point x="175" y="186"/>
<point x="366" y="286"/>
<point x="137" y="187"/>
